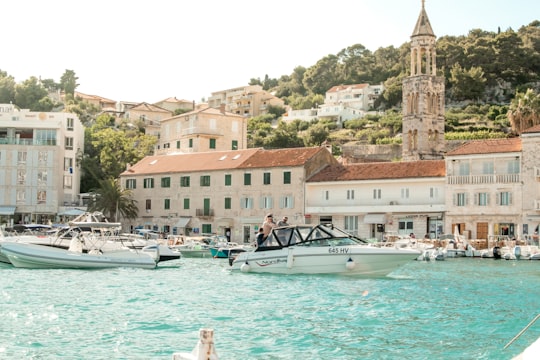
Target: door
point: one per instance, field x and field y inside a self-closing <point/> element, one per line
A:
<point x="482" y="230"/>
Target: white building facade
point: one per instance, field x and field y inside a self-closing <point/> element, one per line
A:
<point x="38" y="155"/>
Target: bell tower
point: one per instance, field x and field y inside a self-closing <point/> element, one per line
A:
<point x="423" y="98"/>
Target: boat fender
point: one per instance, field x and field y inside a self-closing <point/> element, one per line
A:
<point x="350" y="264"/>
<point x="245" y="267"/>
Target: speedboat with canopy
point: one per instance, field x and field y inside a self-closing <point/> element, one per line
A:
<point x="320" y="249"/>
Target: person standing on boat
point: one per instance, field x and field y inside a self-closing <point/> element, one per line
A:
<point x="268" y="225"/>
<point x="283" y="222"/>
<point x="260" y="236"/>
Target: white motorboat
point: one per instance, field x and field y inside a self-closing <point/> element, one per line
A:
<point x="194" y="247"/>
<point x="42" y="257"/>
<point x="89" y="242"/>
<point x="321" y="249"/>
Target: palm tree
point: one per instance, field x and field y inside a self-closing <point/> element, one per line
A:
<point x="524" y="111"/>
<point x="111" y="200"/>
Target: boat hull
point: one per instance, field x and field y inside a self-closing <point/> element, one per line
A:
<point x="351" y="260"/>
<point x="44" y="257"/>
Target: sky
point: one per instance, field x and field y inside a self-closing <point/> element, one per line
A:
<point x="147" y="51"/>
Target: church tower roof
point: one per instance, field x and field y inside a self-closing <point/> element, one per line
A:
<point x="423" y="26"/>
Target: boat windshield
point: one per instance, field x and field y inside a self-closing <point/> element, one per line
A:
<point x="306" y="235"/>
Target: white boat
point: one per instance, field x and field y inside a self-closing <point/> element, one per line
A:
<point x="321" y="249"/>
<point x="194" y="247"/>
<point x="43" y="257"/>
<point x="89" y="242"/>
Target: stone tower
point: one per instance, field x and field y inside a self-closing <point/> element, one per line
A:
<point x="423" y="98"/>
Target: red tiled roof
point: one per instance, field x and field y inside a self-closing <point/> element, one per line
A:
<point x="221" y="160"/>
<point x="487" y="146"/>
<point x="281" y="157"/>
<point x="382" y="170"/>
<point x="532" y="129"/>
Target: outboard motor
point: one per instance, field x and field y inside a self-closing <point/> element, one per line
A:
<point x="496" y="252"/>
<point x="517" y="252"/>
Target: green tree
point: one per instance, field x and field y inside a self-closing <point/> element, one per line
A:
<point x="113" y="201"/>
<point x="7" y="88"/>
<point x="29" y="93"/>
<point x="316" y="135"/>
<point x="68" y="82"/>
<point x="323" y="75"/>
<point x="467" y="84"/>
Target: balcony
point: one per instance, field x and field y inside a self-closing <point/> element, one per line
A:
<point x="484" y="179"/>
<point x="204" y="213"/>
<point x="200" y="130"/>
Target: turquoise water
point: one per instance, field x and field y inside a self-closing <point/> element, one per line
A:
<point x="453" y="309"/>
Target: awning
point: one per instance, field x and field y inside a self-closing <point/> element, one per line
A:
<point x="72" y="212"/>
<point x="182" y="222"/>
<point x="7" y="210"/>
<point x="375" y="219"/>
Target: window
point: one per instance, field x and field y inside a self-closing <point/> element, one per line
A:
<point x="42" y="177"/>
<point x="45" y="137"/>
<point x="178" y="144"/>
<point x="206" y="228"/>
<point x="68" y="164"/>
<point x="376" y="193"/>
<point x="247" y="179"/>
<point x="184" y="181"/>
<point x="326" y="195"/>
<point x="205" y="180"/>
<point x="165" y="182"/>
<point x="21" y="196"/>
<point x="405" y="227"/>
<point x="69" y="123"/>
<point x="186" y="203"/>
<point x="228" y="203"/>
<point x="266" y="178"/>
<point x="513" y="166"/>
<point x="286" y="177"/>
<point x="481" y="199"/>
<point x="42" y="157"/>
<point x="461" y="199"/>
<point x="464" y="169"/>
<point x="21" y="157"/>
<point x="405" y="193"/>
<point x="350" y="194"/>
<point x="68" y="143"/>
<point x="148" y="183"/>
<point x="487" y="168"/>
<point x="234" y="145"/>
<point x="351" y="224"/>
<point x="228" y="179"/>
<point x="246" y="203"/>
<point x="190" y="143"/>
<point x="41" y="197"/>
<point x="21" y="176"/>
<point x="433" y="193"/>
<point x="286" y="202"/>
<point x="266" y="202"/>
<point x="504" y="198"/>
<point x="167" y="204"/>
<point x="131" y="183"/>
<point x="68" y="181"/>
<point x="212" y="143"/>
<point x="148" y="205"/>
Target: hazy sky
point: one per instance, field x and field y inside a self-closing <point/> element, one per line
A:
<point x="151" y="50"/>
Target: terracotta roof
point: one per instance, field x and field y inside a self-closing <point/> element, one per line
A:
<point x="206" y="110"/>
<point x="532" y="129"/>
<point x="221" y="160"/>
<point x="281" y="157"/>
<point x="382" y="170"/>
<point x="96" y="97"/>
<point x="487" y="146"/>
<point x="345" y="87"/>
<point x="149" y="107"/>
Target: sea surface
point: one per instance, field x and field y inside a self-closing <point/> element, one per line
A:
<point x="454" y="309"/>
